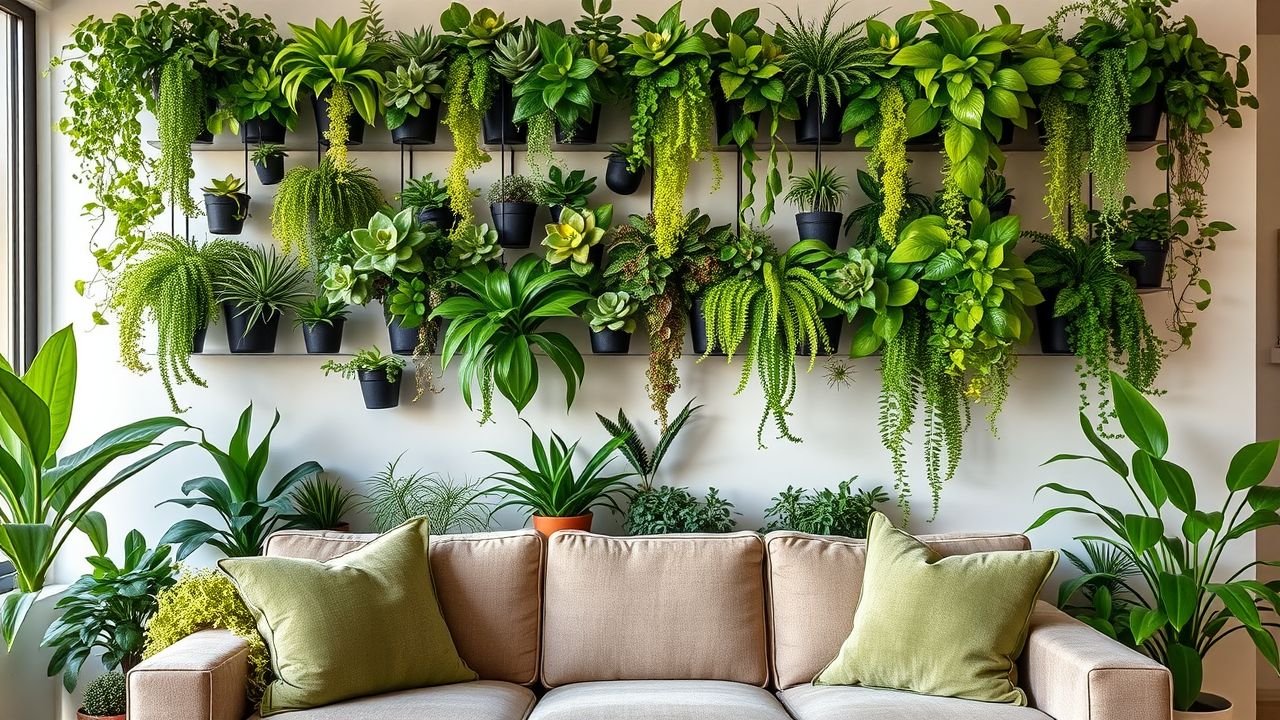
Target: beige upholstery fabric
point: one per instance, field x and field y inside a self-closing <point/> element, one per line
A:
<point x="659" y="700"/>
<point x="483" y="700"/>
<point x="674" y="607"/>
<point x="1072" y="672"/>
<point x="489" y="588"/>
<point x="201" y="677"/>
<point x="814" y="584"/>
<point x="809" y="702"/>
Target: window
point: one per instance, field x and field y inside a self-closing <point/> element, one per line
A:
<point x="17" y="182"/>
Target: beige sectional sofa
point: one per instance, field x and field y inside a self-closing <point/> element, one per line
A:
<point x="679" y="627"/>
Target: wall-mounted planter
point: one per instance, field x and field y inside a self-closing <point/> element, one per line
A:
<point x="621" y="179"/>
<point x="514" y="223"/>
<point x="226" y="213"/>
<point x="263" y="130"/>
<point x="610" y="342"/>
<point x="443" y="218"/>
<point x="813" y="124"/>
<point x="1053" y="330"/>
<point x="584" y="134"/>
<point x="1149" y="271"/>
<point x="379" y="392"/>
<point x="824" y="226"/>
<point x="246" y="337"/>
<point x="270" y="170"/>
<point x="498" y="128"/>
<point x="323" y="338"/>
<point x="355" y="123"/>
<point x="420" y="130"/>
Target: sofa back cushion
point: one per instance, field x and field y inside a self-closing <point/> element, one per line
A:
<point x="673" y="607"/>
<point x="814" y="584"/>
<point x="488" y="585"/>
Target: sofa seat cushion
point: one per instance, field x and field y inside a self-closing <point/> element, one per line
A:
<point x="811" y="702"/>
<point x="482" y="700"/>
<point x="659" y="700"/>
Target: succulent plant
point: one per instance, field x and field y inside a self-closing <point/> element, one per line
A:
<point x="516" y="53"/>
<point x="409" y="89"/>
<point x="477" y="244"/>
<point x="105" y="696"/>
<point x="389" y="244"/>
<point x="613" y="311"/>
<point x="748" y="251"/>
<point x="572" y="239"/>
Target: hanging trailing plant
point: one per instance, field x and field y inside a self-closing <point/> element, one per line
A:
<point x="670" y="65"/>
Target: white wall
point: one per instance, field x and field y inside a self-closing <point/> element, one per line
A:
<point x="1210" y="404"/>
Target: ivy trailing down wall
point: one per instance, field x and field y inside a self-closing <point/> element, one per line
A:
<point x="932" y="283"/>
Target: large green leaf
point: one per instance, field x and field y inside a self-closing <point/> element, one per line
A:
<point x="1251" y="465"/>
<point x="52" y="376"/>
<point x="1139" y="418"/>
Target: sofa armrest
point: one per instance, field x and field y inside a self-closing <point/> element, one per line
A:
<point x="201" y="677"/>
<point x="1073" y="672"/>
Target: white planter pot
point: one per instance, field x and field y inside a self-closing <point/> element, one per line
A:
<point x="1216" y="708"/>
<point x="26" y="690"/>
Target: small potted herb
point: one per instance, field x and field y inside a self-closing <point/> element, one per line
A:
<point x="268" y="161"/>
<point x="566" y="190"/>
<point x="321" y="322"/>
<point x="513" y="202"/>
<point x="619" y="176"/>
<point x="1146" y="231"/>
<point x="612" y="317"/>
<point x="226" y="205"/>
<point x="104" y="698"/>
<point x="817" y="195"/>
<point x="430" y="199"/>
<point x="379" y="376"/>
<point x="256" y="289"/>
<point x="319" y="503"/>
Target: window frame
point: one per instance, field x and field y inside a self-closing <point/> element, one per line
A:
<point x="23" y="178"/>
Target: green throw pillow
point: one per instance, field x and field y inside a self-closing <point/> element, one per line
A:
<point x="949" y="626"/>
<point x="360" y="624"/>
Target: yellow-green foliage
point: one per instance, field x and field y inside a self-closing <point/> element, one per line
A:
<point x="463" y="116"/>
<point x="206" y="600"/>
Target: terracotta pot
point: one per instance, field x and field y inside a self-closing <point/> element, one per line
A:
<point x="548" y="525"/>
<point x="1207" y="707"/>
<point x="80" y="715"/>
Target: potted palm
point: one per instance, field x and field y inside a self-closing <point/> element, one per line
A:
<point x="612" y="319"/>
<point x="268" y="162"/>
<point x="255" y="290"/>
<point x="513" y="203"/>
<point x="619" y="175"/>
<point x="429" y="198"/>
<point x="226" y="206"/>
<point x="335" y="62"/>
<point x="380" y="376"/>
<point x="557" y="497"/>
<point x="817" y="194"/>
<point x="1183" y="601"/>
<point x="322" y="322"/>
<point x="413" y="86"/>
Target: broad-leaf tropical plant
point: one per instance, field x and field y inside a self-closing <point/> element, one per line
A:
<point x="551" y="487"/>
<point x="44" y="497"/>
<point x="1186" y="602"/>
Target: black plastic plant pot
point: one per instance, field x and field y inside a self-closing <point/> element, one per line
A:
<point x="379" y="392"/>
<point x="271" y="170"/>
<point x="498" y="128"/>
<point x="323" y="338"/>
<point x="244" y="337"/>
<point x="812" y="123"/>
<point x="420" y="130"/>
<point x="824" y="226"/>
<point x="620" y="178"/>
<point x="610" y="342"/>
<point x="585" y="133"/>
<point x="1149" y="271"/>
<point x="226" y="213"/>
<point x="514" y="223"/>
<point x="442" y="217"/>
<point x="263" y="130"/>
<point x="1144" y="121"/>
<point x="1002" y="209"/>
<point x="1053" y="330"/>
<point x="355" y="123"/>
<point x="834" y="327"/>
<point x="698" y="329"/>
<point x="197" y="340"/>
<point x="404" y="338"/>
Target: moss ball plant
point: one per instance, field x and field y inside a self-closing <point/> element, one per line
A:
<point x="105" y="696"/>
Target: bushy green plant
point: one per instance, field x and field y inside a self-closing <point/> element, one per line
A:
<point x="262" y="283"/>
<point x="105" y="696"/>
<point x="314" y="205"/>
<point x="247" y="515"/>
<point x="551" y="487"/>
<point x="320" y="503"/>
<point x="572" y="238"/>
<point x="819" y="190"/>
<point x="450" y="505"/>
<point x="107" y="611"/>
<point x="646" y="462"/>
<point x="667" y="509"/>
<point x="496" y="321"/>
<point x="368" y="360"/>
<point x="825" y="512"/>
<point x="570" y="190"/>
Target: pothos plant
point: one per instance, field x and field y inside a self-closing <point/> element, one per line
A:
<point x="669" y="66"/>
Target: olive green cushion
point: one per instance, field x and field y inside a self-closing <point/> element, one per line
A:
<point x="360" y="624"/>
<point x="950" y="626"/>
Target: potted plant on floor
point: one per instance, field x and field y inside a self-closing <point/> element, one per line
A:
<point x="513" y="201"/>
<point x="226" y="206"/>
<point x="172" y="282"/>
<point x="1186" y="603"/>
<point x="268" y="162"/>
<point x="255" y="290"/>
<point x="321" y="503"/>
<point x="413" y="86"/>
<point x="612" y="319"/>
<point x="817" y="194"/>
<point x="1145" y="232"/>
<point x="496" y="321"/>
<point x="565" y="190"/>
<point x="335" y="63"/>
<point x="380" y="376"/>
<point x="322" y="322"/>
<point x="104" y="699"/>
<point x="619" y="175"/>
<point x="557" y="497"/>
<point x="841" y="511"/>
<point x="429" y="199"/>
